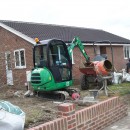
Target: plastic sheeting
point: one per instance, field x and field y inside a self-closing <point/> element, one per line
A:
<point x="121" y="77"/>
<point x="11" y="117"/>
<point x="117" y="79"/>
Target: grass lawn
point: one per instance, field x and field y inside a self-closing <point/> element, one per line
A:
<point x="121" y="89"/>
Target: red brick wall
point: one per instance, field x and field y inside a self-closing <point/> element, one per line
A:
<point x="95" y="117"/>
<point x="118" y="56"/>
<point x="11" y="42"/>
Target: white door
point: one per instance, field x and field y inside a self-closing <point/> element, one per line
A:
<point x="9" y="74"/>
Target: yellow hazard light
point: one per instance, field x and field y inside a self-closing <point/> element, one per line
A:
<point x="36" y="40"/>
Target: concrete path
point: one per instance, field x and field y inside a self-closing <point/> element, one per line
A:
<point x="123" y="124"/>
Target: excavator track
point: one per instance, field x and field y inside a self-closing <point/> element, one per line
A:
<point x="62" y="95"/>
<point x="55" y="95"/>
<point x="72" y="90"/>
<point x="59" y="95"/>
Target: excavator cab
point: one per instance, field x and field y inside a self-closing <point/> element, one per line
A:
<point x="59" y="61"/>
<point x="52" y="55"/>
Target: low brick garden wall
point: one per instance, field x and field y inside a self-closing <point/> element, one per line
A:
<point x="95" y="117"/>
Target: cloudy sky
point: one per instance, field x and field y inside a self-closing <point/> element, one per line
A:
<point x="109" y="15"/>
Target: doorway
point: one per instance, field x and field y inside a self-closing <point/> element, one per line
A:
<point x="8" y="64"/>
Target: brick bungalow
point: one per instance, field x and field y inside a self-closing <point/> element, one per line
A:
<point x="17" y="41"/>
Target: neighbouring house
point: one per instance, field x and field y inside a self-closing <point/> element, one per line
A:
<point x="17" y="41"/>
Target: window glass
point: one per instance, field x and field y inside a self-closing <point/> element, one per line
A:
<point x="127" y="52"/>
<point x="59" y="61"/>
<point x="9" y="61"/>
<point x="19" y="58"/>
<point x="57" y="55"/>
<point x="40" y="56"/>
<point x="22" y="58"/>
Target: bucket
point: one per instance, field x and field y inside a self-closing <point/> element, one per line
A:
<point x="102" y="67"/>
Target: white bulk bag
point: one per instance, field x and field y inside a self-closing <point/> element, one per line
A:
<point x="11" y="117"/>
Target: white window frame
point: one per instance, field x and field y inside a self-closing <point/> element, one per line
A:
<point x="20" y="66"/>
<point x="126" y="54"/>
<point x="72" y="57"/>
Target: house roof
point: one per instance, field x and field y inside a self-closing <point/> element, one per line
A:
<point x="65" y="33"/>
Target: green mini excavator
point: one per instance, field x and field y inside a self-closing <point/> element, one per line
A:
<point x="52" y="73"/>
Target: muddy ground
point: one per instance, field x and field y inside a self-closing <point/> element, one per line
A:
<point x="39" y="110"/>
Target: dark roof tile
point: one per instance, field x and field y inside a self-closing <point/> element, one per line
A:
<point x="65" y="33"/>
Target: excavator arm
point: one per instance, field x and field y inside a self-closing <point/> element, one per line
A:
<point x="77" y="42"/>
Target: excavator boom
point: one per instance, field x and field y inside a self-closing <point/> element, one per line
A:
<point x="77" y="42"/>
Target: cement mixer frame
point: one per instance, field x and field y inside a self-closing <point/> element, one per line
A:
<point x="93" y="73"/>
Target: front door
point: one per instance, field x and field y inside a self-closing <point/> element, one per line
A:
<point x="9" y="74"/>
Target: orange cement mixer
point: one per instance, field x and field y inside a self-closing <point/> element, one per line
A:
<point x="102" y="67"/>
<point x="97" y="68"/>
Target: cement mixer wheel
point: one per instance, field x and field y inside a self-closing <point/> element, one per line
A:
<point x="84" y="82"/>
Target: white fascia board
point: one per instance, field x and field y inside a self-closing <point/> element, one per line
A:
<point x="91" y="44"/>
<point x="25" y="37"/>
<point x="104" y="44"/>
<point x="126" y="44"/>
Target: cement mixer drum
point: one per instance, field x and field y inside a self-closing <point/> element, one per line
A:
<point x="91" y="71"/>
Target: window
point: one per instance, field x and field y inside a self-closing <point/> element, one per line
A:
<point x="126" y="52"/>
<point x="40" y="56"/>
<point x="72" y="58"/>
<point x="8" y="60"/>
<point x="19" y="58"/>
